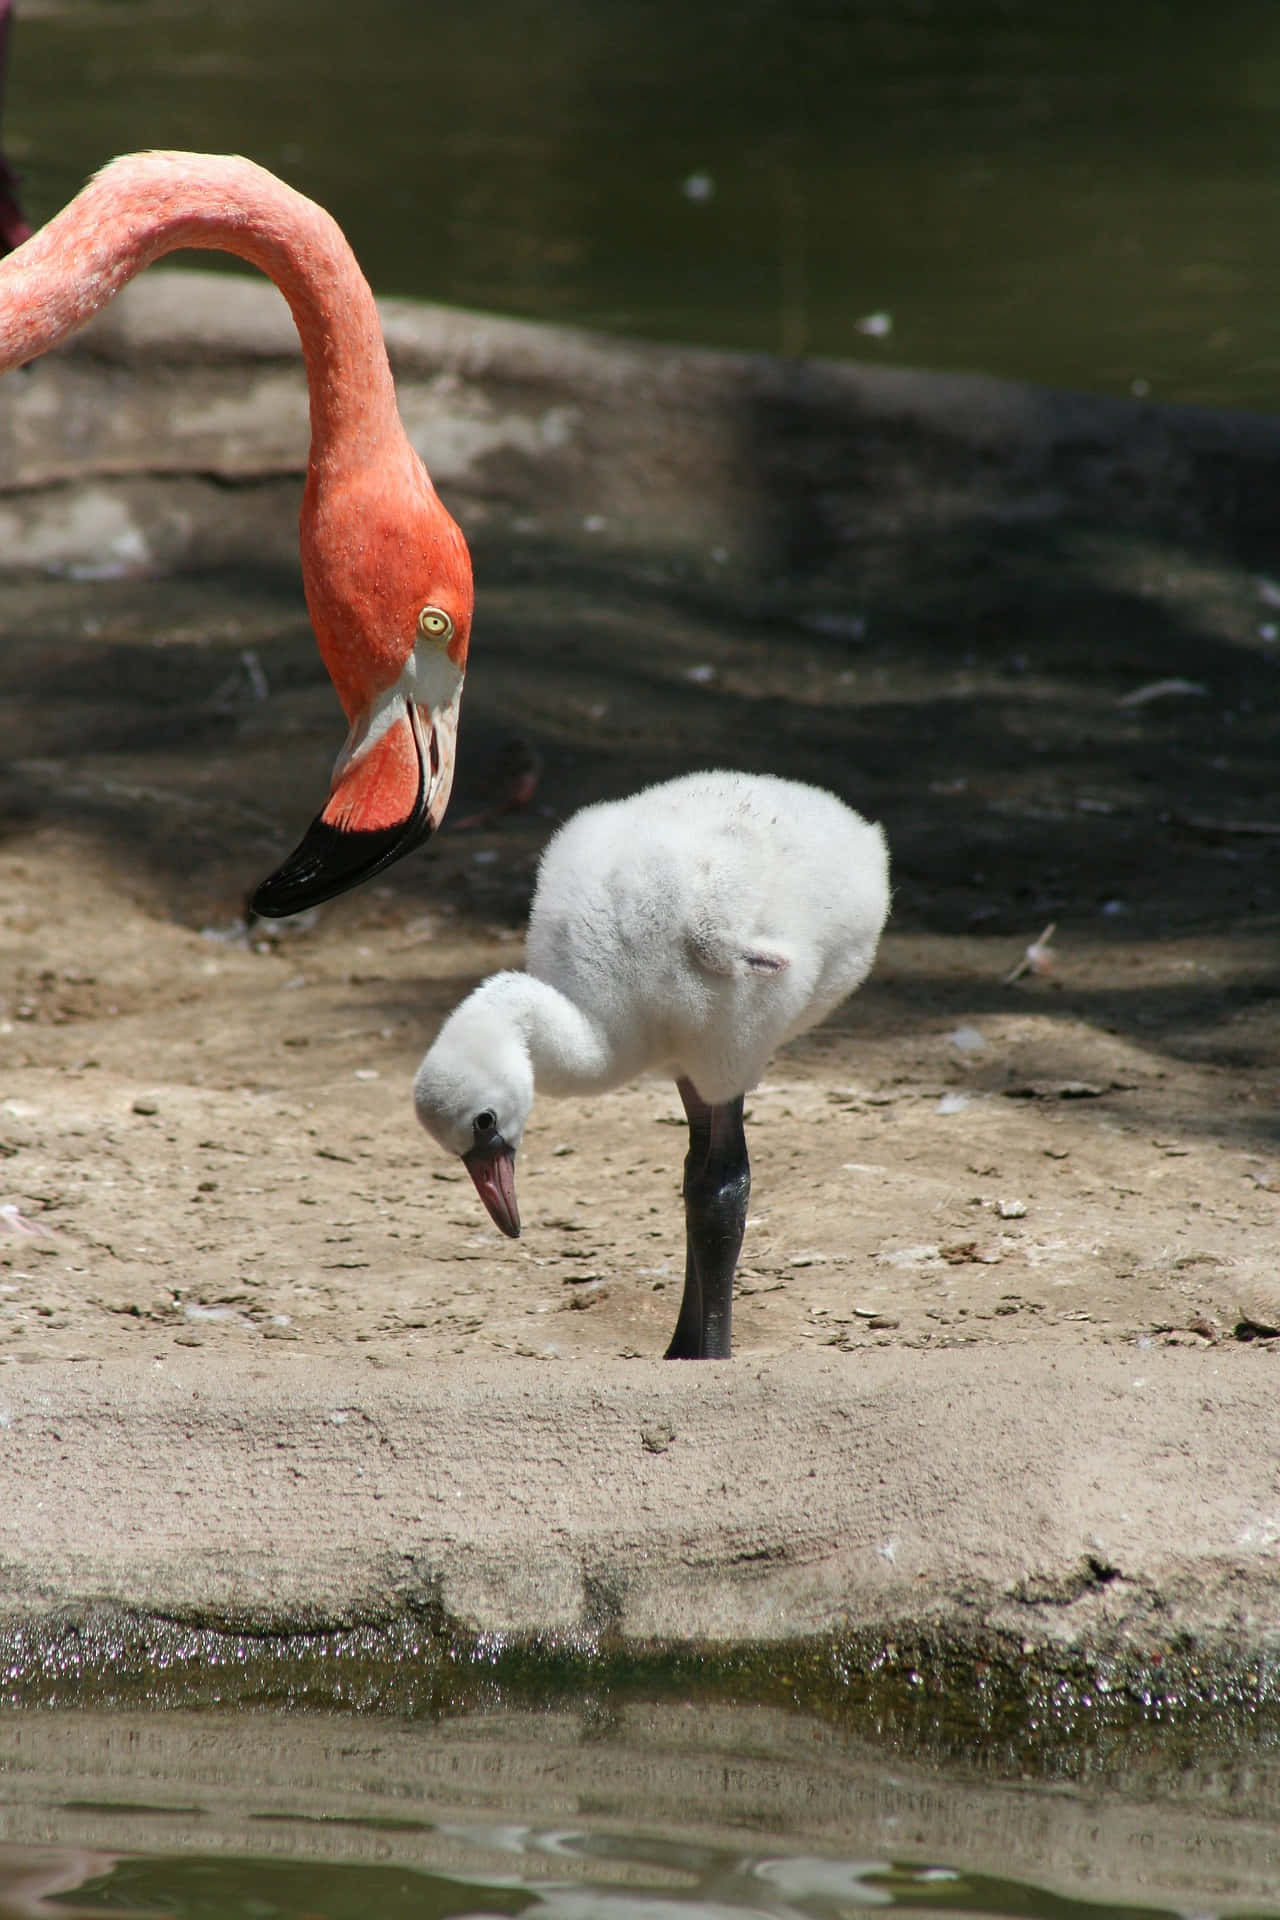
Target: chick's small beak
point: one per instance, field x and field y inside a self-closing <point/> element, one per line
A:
<point x="493" y="1173"/>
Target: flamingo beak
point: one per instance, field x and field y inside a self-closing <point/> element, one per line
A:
<point x="493" y="1173"/>
<point x="386" y="799"/>
<point x="440" y="734"/>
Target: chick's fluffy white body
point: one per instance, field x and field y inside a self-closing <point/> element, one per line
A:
<point x="689" y="929"/>
<point x="702" y="923"/>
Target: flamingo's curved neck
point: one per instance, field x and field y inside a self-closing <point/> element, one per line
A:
<point x="149" y="204"/>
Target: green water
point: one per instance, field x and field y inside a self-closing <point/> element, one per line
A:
<point x="628" y="1810"/>
<point x="1079" y="194"/>
<point x="366" y="1773"/>
<point x="546" y="1874"/>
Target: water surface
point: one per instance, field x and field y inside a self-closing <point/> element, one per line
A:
<point x="624" y="1807"/>
<point x="1079" y="194"/>
<point x="549" y="1875"/>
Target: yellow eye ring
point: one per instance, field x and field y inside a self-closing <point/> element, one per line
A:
<point x="435" y="624"/>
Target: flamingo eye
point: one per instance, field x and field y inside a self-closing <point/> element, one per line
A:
<point x="435" y="624"/>
<point x="484" y="1123"/>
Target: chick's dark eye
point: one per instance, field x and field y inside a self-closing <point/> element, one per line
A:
<point x="485" y="1122"/>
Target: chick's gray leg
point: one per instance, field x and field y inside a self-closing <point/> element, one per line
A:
<point x="717" y="1187"/>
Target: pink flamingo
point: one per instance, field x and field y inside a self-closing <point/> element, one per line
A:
<point x="385" y="569"/>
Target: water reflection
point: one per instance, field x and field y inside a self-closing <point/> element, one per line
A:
<point x="35" y="1880"/>
<point x="1080" y="196"/>
<point x="716" y="1886"/>
<point x="652" y="1808"/>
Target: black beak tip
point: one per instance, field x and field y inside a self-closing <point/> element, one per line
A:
<point x="328" y="862"/>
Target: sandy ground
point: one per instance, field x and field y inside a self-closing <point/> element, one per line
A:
<point x="206" y="1138"/>
<point x="207" y="1134"/>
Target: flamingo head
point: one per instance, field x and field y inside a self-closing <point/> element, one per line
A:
<point x="388" y="583"/>
<point x="473" y="1092"/>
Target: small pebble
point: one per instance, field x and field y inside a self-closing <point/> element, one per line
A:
<point x="967" y="1040"/>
